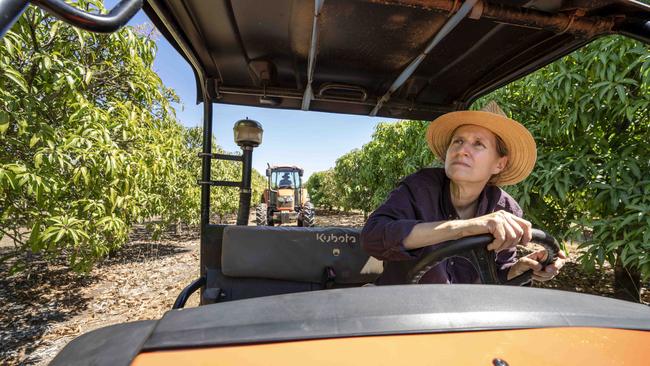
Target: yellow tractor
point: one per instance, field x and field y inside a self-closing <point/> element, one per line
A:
<point x="284" y="198"/>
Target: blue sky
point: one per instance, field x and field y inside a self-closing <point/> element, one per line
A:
<point x="312" y="140"/>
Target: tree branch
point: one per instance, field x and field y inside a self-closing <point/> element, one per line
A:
<point x="13" y="237"/>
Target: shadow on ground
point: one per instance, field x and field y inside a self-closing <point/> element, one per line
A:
<point x="32" y="301"/>
<point x="48" y="294"/>
<point x="142" y="251"/>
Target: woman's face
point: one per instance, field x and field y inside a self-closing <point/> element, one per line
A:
<point x="472" y="155"/>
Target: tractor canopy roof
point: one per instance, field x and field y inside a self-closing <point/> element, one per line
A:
<point x="286" y="168"/>
<point x="410" y="59"/>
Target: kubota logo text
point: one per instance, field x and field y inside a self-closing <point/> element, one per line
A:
<point x="331" y="238"/>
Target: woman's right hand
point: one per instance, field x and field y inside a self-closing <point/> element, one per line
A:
<point x="508" y="229"/>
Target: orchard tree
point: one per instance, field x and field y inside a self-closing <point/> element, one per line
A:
<point x="395" y="151"/>
<point x="89" y="143"/>
<point x="363" y="178"/>
<point x="590" y="115"/>
<point x="321" y="189"/>
<point x="354" y="192"/>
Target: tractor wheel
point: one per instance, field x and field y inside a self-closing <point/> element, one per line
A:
<point x="307" y="217"/>
<point x="261" y="218"/>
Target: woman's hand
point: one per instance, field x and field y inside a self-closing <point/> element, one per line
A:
<point x="508" y="230"/>
<point x="532" y="261"/>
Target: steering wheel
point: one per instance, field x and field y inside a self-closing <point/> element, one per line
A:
<point x="474" y="248"/>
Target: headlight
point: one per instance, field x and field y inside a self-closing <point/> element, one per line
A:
<point x="285" y="199"/>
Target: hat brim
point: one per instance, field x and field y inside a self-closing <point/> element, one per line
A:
<point x="522" y="150"/>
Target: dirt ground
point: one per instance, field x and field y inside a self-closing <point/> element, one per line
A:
<point x="46" y="308"/>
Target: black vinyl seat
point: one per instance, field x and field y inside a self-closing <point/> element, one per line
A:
<point x="261" y="261"/>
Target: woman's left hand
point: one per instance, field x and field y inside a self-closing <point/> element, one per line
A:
<point x="532" y="261"/>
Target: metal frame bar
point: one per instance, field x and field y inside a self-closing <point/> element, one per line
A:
<point x="574" y="23"/>
<point x="410" y="69"/>
<point x="245" y="187"/>
<point x="99" y="23"/>
<point x="185" y="294"/>
<point x="289" y="94"/>
<point x="219" y="183"/>
<point x="206" y="164"/>
<point x="221" y="156"/>
<point x="10" y="11"/>
<point x="309" y="93"/>
<point x="187" y="50"/>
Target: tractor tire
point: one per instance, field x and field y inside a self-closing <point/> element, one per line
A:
<point x="261" y="218"/>
<point x="307" y="217"/>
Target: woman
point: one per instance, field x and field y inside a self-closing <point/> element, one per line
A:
<point x="481" y="150"/>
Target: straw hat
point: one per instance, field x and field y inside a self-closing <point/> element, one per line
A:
<point x="522" y="151"/>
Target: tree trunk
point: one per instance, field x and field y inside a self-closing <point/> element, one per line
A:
<point x="179" y="228"/>
<point x="627" y="282"/>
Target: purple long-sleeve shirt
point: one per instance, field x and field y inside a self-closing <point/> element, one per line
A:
<point x="425" y="197"/>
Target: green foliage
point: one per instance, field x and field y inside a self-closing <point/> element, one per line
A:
<point x="363" y="178"/>
<point x="89" y="143"/>
<point x="349" y="181"/>
<point x="395" y="151"/>
<point x="321" y="189"/>
<point x="589" y="114"/>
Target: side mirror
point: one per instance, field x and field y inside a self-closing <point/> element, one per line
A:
<point x="268" y="172"/>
